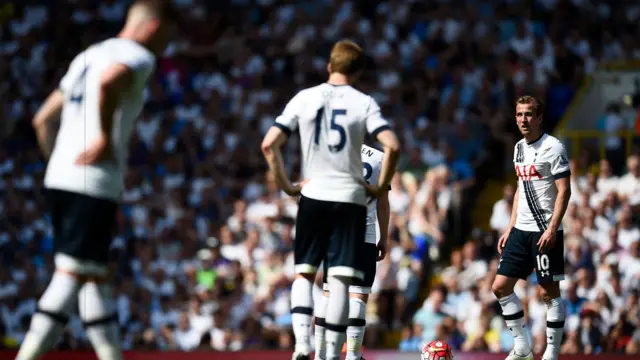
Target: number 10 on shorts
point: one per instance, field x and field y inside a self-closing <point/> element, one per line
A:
<point x="543" y="264"/>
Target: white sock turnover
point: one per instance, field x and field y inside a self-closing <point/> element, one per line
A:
<point x="514" y="318"/>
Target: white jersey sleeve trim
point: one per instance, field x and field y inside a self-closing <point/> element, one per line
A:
<point x="375" y="123"/>
<point x="559" y="161"/>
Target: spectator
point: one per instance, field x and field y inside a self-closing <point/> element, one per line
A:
<point x="411" y="339"/>
<point x="431" y="314"/>
<point x="184" y="337"/>
<point x="501" y="215"/>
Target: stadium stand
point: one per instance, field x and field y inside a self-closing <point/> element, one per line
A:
<point x="202" y="252"/>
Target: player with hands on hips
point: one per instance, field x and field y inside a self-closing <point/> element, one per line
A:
<point x="332" y="120"/>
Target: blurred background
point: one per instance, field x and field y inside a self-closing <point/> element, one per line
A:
<point x="202" y="251"/>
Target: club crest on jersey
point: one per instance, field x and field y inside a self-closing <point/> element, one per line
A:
<point x="527" y="172"/>
<point x="563" y="160"/>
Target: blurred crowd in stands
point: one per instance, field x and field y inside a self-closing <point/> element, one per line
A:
<point x="202" y="252"/>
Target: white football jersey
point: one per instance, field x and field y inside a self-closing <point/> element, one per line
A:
<point x="80" y="120"/>
<point x="538" y="165"/>
<point x="372" y="164"/>
<point x="332" y="121"/>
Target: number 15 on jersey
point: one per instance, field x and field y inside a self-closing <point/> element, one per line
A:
<point x="334" y="126"/>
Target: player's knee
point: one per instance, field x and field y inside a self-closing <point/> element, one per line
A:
<point x="363" y="297"/>
<point x="310" y="277"/>
<point x="550" y="291"/>
<point x="81" y="268"/>
<point x="341" y="278"/>
<point x="502" y="286"/>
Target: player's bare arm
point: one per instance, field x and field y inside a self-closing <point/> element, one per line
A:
<point x="383" y="212"/>
<point x="391" y="148"/>
<point x="114" y="82"/>
<point x="271" y="145"/>
<point x="502" y="242"/>
<point x="45" y="121"/>
<point x="547" y="240"/>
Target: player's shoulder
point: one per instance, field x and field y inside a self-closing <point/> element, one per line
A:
<point x="307" y="94"/>
<point x="520" y="143"/>
<point x="553" y="144"/>
<point x="372" y="153"/>
<point x="127" y="51"/>
<point x="85" y="55"/>
<point x="361" y="98"/>
<point x="130" y="46"/>
<point x="347" y="92"/>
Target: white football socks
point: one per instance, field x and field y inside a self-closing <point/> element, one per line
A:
<point x="555" y="328"/>
<point x="320" y="313"/>
<point x="98" y="313"/>
<point x="356" y="328"/>
<point x="54" y="309"/>
<point x="337" y="316"/>
<point x="301" y="313"/>
<point x="514" y="318"/>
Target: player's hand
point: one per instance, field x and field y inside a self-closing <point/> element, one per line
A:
<point x="547" y="240"/>
<point x="99" y="150"/>
<point x="296" y="188"/>
<point x="502" y="242"/>
<point x="382" y="250"/>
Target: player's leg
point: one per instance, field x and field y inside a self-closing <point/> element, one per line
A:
<point x="357" y="324"/>
<point x="309" y="249"/>
<point x="320" y="312"/>
<point x="302" y="313"/>
<point x="90" y="258"/>
<point x="98" y="314"/>
<point x="59" y="299"/>
<point x="515" y="264"/>
<point x="55" y="307"/>
<point x="345" y="246"/>
<point x="358" y="297"/>
<point x="82" y="228"/>
<point x="549" y="272"/>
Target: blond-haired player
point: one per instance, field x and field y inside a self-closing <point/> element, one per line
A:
<point x="97" y="103"/>
<point x="332" y="119"/>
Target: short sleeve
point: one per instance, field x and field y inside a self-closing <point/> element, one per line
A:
<point x="559" y="161"/>
<point x="141" y="63"/>
<point x="374" y="121"/>
<point x="288" y="120"/>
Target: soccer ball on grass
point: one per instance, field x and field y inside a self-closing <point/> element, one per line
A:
<point x="437" y="350"/>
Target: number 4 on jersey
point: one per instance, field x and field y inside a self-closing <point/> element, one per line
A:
<point x="77" y="92"/>
<point x="334" y="126"/>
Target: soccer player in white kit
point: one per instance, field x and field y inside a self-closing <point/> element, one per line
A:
<point x="378" y="213"/>
<point x="332" y="119"/>
<point x="97" y="103"/>
<point x="534" y="239"/>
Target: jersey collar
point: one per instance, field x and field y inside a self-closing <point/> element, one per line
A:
<point x="536" y="140"/>
<point x="341" y="85"/>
